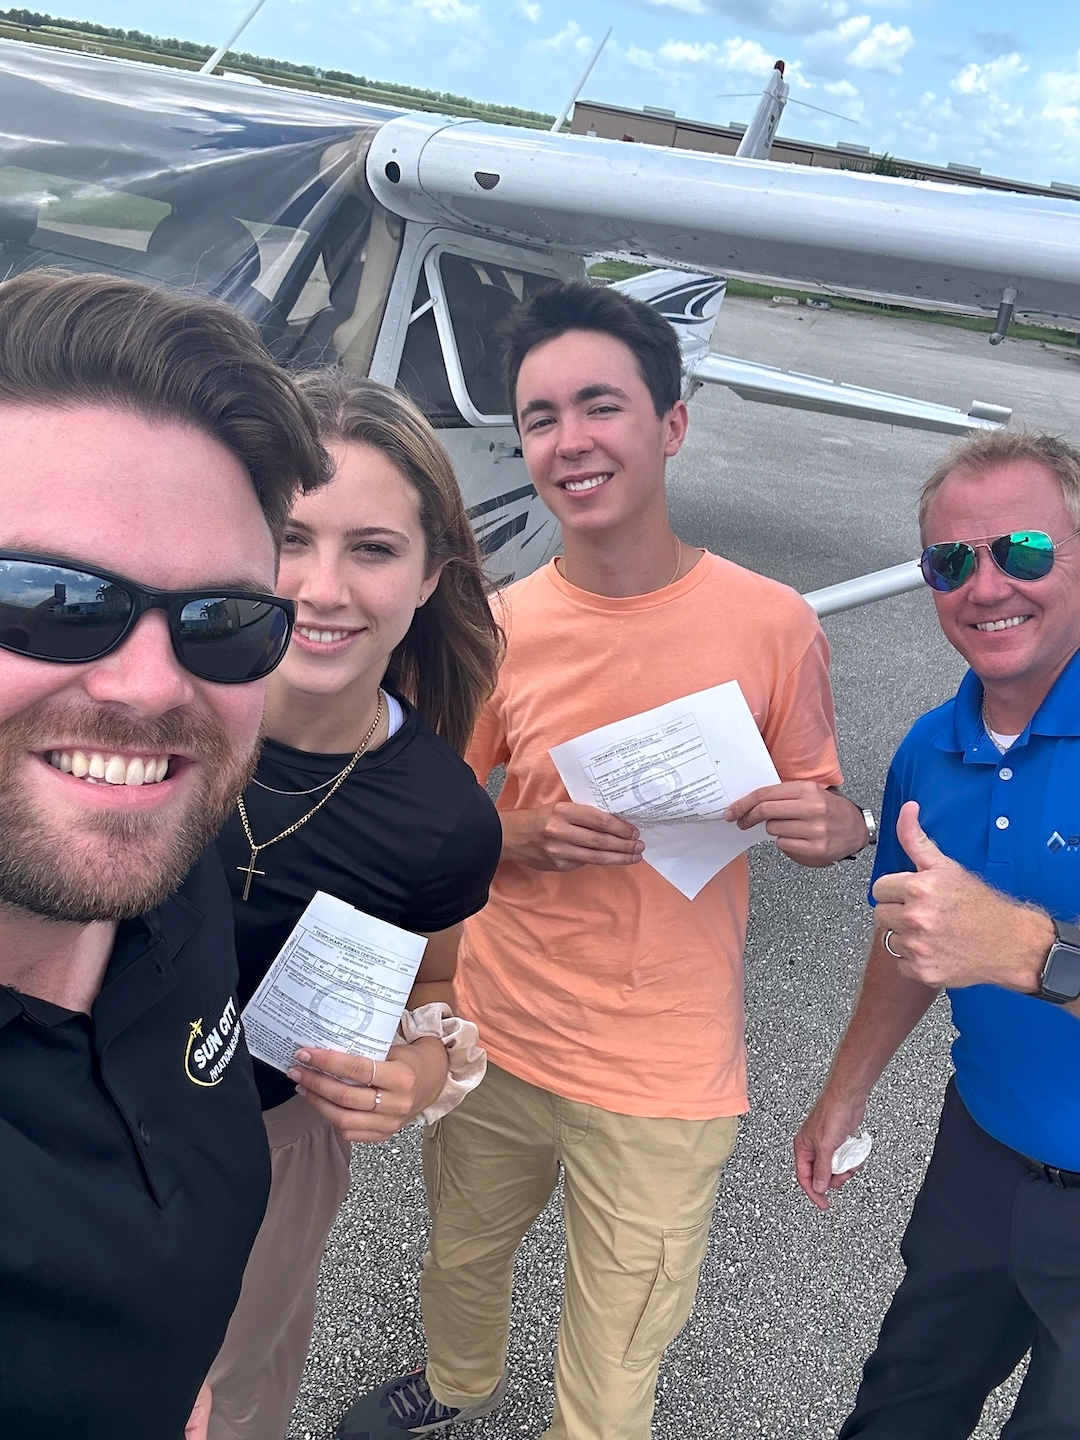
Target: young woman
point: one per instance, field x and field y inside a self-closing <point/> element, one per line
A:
<point x="360" y="792"/>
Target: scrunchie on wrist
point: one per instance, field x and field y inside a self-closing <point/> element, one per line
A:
<point x="468" y="1059"/>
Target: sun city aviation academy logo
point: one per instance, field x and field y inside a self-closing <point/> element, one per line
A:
<point x="205" y="1062"/>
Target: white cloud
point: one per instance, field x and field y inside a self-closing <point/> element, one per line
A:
<point x="857" y="43"/>
<point x="569" y="38"/>
<point x="449" y="12"/>
<point x="686" y="52"/>
<point x="1059" y="91"/>
<point x="742" y="56"/>
<point x="990" y="78"/>
<point x="883" y="48"/>
<point x="736" y="56"/>
<point x="688" y="7"/>
<point x="528" y="10"/>
<point x="1005" y="135"/>
<point x="746" y="57"/>
<point x="641" y="59"/>
<point x="843" y="90"/>
<point x="391" y="24"/>
<point x="789" y="17"/>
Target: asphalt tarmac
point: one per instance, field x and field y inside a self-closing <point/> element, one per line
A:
<point x="790" y="1300"/>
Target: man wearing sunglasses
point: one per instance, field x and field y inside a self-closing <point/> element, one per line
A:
<point x="149" y="450"/>
<point x="977" y="890"/>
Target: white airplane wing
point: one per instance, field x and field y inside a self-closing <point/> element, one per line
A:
<point x="691" y="302"/>
<point x="903" y="238"/>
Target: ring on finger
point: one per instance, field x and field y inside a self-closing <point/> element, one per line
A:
<point x="378" y="1099"/>
<point x="885" y="941"/>
<point x="371" y="1080"/>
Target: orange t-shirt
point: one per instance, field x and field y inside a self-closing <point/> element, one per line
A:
<point x="606" y="984"/>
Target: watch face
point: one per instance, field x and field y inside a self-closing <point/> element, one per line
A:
<point x="1061" y="978"/>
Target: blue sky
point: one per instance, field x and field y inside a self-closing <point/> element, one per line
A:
<point x="991" y="83"/>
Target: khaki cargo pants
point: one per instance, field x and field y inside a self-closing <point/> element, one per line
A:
<point x="639" y="1196"/>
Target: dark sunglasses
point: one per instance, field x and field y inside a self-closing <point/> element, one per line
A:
<point x="50" y="610"/>
<point x="1022" y="555"/>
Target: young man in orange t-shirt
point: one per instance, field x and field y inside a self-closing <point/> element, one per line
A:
<point x="610" y="1004"/>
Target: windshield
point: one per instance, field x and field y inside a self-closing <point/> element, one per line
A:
<point x="247" y="192"/>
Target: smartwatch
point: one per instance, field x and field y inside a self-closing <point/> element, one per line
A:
<point x="1060" y="979"/>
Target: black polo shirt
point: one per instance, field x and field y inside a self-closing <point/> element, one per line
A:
<point x="133" y="1178"/>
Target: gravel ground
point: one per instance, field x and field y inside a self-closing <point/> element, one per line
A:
<point x="790" y="1300"/>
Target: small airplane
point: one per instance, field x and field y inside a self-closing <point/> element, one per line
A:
<point x="393" y="242"/>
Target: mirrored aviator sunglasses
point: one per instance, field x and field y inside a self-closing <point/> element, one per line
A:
<point x="1022" y="555"/>
<point x="53" y="610"/>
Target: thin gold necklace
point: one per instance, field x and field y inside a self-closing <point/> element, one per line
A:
<point x="296" y="794"/>
<point x="1001" y="749"/>
<point x="249" y="870"/>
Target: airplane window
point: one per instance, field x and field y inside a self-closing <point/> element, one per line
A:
<point x="422" y="372"/>
<point x="329" y="296"/>
<point x="313" y="297"/>
<point x="479" y="293"/>
<point x="183" y="180"/>
<point x="50" y="219"/>
<point x="31" y="200"/>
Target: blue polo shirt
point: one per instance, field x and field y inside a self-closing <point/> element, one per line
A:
<point x="1014" y="819"/>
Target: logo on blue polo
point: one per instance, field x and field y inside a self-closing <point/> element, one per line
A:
<point x="1058" y="842"/>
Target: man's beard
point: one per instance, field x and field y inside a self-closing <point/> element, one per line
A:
<point x="112" y="865"/>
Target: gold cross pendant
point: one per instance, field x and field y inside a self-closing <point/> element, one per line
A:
<point x="250" y="871"/>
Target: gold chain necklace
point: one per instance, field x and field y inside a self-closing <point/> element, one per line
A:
<point x="1001" y="749"/>
<point x="249" y="870"/>
<point x="296" y="794"/>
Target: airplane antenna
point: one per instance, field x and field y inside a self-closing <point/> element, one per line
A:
<point x="756" y="95"/>
<point x="580" y="84"/>
<point x="223" y="50"/>
<point x="807" y="106"/>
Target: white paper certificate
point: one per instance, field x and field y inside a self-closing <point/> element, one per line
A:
<point x="340" y="982"/>
<point x="672" y="772"/>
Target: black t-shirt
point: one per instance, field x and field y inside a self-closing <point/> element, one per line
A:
<point x="410" y="838"/>
<point x="133" y="1180"/>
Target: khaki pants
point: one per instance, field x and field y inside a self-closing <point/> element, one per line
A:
<point x="639" y="1197"/>
<point x="258" y="1369"/>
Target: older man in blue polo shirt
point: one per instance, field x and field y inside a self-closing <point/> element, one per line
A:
<point x="977" y="889"/>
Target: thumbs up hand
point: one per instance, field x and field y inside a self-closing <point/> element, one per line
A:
<point x="950" y="928"/>
<point x="918" y="846"/>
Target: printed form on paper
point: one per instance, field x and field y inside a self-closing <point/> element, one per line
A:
<point x="672" y="772"/>
<point x="340" y="982"/>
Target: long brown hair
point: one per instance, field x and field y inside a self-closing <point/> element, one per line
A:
<point x="448" y="662"/>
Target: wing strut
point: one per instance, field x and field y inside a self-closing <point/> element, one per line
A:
<point x="766" y="383"/>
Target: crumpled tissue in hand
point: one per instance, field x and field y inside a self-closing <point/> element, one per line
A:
<point x="853" y="1151"/>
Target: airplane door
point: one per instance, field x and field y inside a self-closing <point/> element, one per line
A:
<point x="449" y="363"/>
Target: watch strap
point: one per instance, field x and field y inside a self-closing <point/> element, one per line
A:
<point x="1060" y="980"/>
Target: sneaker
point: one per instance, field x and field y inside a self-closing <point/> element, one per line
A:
<point x="407" y="1406"/>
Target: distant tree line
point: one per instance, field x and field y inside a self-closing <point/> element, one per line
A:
<point x="34" y="19"/>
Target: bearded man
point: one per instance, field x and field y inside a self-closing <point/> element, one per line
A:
<point x="149" y="450"/>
